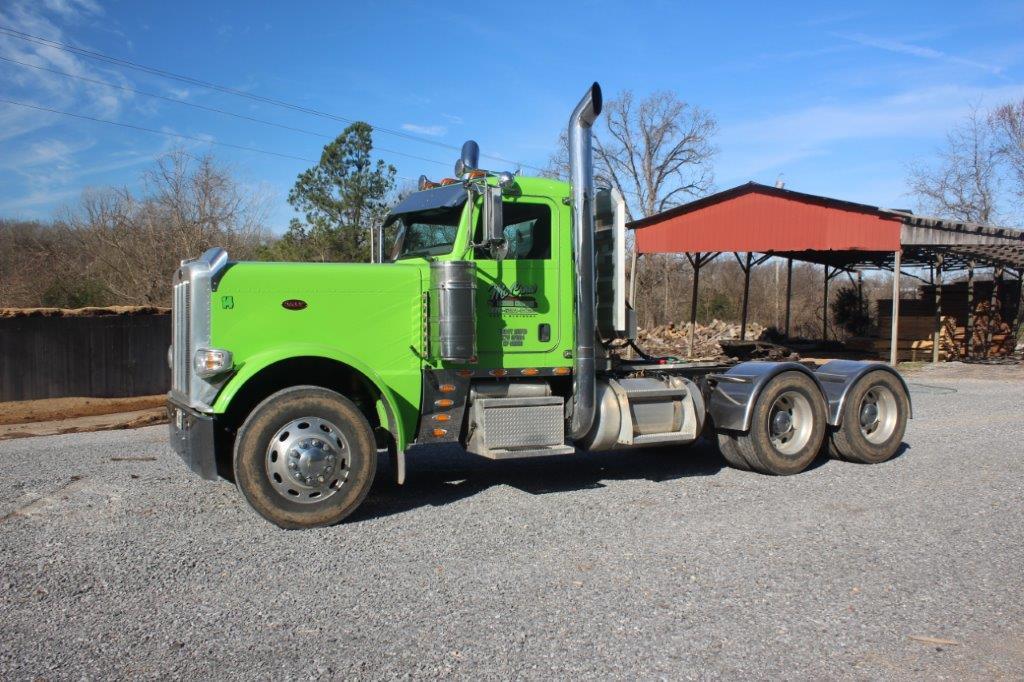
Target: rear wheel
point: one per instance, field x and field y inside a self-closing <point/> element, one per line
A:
<point x="873" y="421"/>
<point x="305" y="457"/>
<point x="787" y="426"/>
<point x="730" y="451"/>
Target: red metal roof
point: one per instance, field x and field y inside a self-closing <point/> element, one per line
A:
<point x="759" y="218"/>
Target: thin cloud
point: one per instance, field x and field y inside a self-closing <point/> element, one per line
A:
<point x="46" y="19"/>
<point x="452" y="118"/>
<point x="431" y="130"/>
<point x="898" y="47"/>
<point x="71" y="8"/>
<point x="771" y="143"/>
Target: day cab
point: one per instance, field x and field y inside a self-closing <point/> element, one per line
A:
<point x="501" y="324"/>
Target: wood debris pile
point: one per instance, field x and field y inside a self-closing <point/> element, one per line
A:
<point x="674" y="339"/>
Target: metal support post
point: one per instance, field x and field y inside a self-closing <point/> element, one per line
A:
<point x="938" y="309"/>
<point x="894" y="341"/>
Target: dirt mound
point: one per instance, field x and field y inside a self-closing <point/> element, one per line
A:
<point x="29" y="411"/>
<point x="84" y="312"/>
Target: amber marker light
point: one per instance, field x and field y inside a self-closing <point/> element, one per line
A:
<point x="444" y="403"/>
<point x="446" y="388"/>
<point x="465" y="372"/>
<point x="498" y="372"/>
<point x="531" y="372"/>
<point x="438" y="433"/>
<point x="562" y="371"/>
<point x="442" y="417"/>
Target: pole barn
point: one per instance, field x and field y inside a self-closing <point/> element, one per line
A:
<point x="763" y="222"/>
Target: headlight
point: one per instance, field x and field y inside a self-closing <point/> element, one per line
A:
<point x="212" y="361"/>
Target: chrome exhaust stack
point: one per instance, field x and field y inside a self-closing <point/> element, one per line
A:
<point x="581" y="159"/>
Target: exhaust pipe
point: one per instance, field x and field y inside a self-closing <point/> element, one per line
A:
<point x="582" y="177"/>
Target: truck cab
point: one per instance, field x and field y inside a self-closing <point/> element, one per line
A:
<point x="501" y="324"/>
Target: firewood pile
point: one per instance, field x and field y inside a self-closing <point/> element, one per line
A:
<point x="673" y="339"/>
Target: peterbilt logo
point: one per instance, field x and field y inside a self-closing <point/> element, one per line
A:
<point x="293" y="304"/>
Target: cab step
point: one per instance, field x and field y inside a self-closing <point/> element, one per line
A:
<point x="523" y="454"/>
<point x="518" y="427"/>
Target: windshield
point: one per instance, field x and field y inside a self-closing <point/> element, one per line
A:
<point x="426" y="233"/>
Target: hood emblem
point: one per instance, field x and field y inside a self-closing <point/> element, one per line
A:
<point x="293" y="304"/>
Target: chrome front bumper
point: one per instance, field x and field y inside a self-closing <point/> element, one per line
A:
<point x="192" y="437"/>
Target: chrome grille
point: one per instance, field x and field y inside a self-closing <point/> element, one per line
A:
<point x="180" y="310"/>
<point x="190" y="328"/>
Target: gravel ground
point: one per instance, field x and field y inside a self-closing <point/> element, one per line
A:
<point x="114" y="562"/>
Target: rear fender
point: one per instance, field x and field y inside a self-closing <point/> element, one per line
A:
<point x="839" y="376"/>
<point x="734" y="392"/>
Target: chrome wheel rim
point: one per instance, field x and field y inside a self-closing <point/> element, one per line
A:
<point x="790" y="422"/>
<point x="877" y="414"/>
<point x="308" y="460"/>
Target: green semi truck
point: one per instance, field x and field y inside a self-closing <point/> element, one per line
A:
<point x="501" y="323"/>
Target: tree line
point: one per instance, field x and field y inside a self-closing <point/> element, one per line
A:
<point x="121" y="247"/>
<point x="118" y="246"/>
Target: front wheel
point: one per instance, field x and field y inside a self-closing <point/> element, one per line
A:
<point x="305" y="457"/>
<point x="787" y="426"/>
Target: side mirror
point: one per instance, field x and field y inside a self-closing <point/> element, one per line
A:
<point x="494" y="228"/>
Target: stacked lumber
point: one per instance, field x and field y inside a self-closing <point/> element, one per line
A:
<point x="991" y="334"/>
<point x="674" y="339"/>
<point x="916" y="337"/>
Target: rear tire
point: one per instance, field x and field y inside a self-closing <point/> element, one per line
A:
<point x="787" y="427"/>
<point x="873" y="420"/>
<point x="305" y="457"/>
<point x="730" y="452"/>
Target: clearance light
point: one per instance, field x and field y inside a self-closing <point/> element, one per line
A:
<point x="473" y="175"/>
<point x="442" y="417"/>
<point x="444" y="403"/>
<point x="498" y="372"/>
<point x="465" y="372"/>
<point x="438" y="433"/>
<point x="449" y="181"/>
<point x="446" y="388"/>
<point x="209" y="362"/>
<point x="531" y="372"/>
<point x="562" y="371"/>
<point x="424" y="183"/>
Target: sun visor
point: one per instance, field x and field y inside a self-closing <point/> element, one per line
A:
<point x="448" y="196"/>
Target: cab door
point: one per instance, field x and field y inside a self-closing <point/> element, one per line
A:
<point x="518" y="299"/>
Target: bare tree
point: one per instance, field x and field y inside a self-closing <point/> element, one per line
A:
<point x="1007" y="123"/>
<point x="132" y="245"/>
<point x="964" y="183"/>
<point x="657" y="152"/>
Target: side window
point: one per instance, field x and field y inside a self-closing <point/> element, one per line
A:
<point x="527" y="229"/>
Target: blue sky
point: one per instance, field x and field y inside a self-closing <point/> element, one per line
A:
<point x="838" y="100"/>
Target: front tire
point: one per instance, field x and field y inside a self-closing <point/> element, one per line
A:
<point x="305" y="457"/>
<point x="787" y="427"/>
<point x="874" y="420"/>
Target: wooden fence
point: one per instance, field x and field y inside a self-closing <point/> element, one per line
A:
<point x="102" y="356"/>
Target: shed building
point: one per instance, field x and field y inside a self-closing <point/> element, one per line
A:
<point x="761" y="222"/>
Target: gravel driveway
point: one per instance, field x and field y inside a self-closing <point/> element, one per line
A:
<point x="115" y="561"/>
